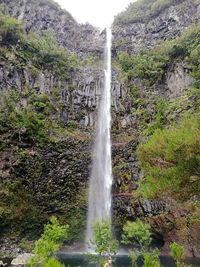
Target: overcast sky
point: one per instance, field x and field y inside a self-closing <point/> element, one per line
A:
<point x="99" y="13"/>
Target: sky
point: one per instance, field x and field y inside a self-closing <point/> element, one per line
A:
<point x="99" y="13"/>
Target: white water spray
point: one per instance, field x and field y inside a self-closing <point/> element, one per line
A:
<point x="101" y="176"/>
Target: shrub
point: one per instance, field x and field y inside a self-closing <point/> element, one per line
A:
<point x="178" y="254"/>
<point x="103" y="242"/>
<point x="170" y="160"/>
<point x="52" y="262"/>
<point x="49" y="243"/>
<point x="137" y="231"/>
<point x="11" y="30"/>
<point x="151" y="259"/>
<point x="140" y="233"/>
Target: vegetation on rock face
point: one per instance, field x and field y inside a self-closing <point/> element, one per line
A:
<point x="171" y="160"/>
<point x="11" y="30"/>
<point x="26" y="124"/>
<point x="42" y="52"/>
<point x="168" y="128"/>
<point x="151" y="65"/>
<point x="142" y="10"/>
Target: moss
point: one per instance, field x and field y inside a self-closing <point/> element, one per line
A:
<point x="39" y="190"/>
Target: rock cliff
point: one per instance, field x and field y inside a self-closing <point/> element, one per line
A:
<point x="42" y="15"/>
<point x="46" y="172"/>
<point x="134" y="33"/>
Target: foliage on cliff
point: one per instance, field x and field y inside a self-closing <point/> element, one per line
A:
<point x="26" y="124"/>
<point x="151" y="65"/>
<point x="170" y="160"/>
<point x="42" y="52"/>
<point x="142" y="10"/>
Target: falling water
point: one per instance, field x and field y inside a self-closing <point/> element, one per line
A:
<point x="101" y="175"/>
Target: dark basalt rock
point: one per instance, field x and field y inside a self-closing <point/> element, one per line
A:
<point x="168" y="24"/>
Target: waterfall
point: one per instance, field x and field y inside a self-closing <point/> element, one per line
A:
<point x="101" y="175"/>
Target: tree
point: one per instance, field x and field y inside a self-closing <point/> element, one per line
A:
<point x="140" y="233"/>
<point x="103" y="241"/>
<point x="49" y="243"/>
<point x="137" y="231"/>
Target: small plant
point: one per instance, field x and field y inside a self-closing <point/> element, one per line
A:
<point x="133" y="257"/>
<point x="151" y="259"/>
<point x="52" y="262"/>
<point x="178" y="254"/>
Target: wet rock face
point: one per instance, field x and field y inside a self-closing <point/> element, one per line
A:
<point x="41" y="183"/>
<point x="56" y="174"/>
<point x="79" y="95"/>
<point x="137" y="36"/>
<point x="178" y="79"/>
<point x="125" y="168"/>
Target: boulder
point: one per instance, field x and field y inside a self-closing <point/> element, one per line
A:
<point x="21" y="259"/>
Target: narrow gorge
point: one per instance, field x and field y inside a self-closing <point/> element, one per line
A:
<point x="51" y="80"/>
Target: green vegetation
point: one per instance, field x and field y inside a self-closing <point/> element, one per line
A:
<point x="178" y="254"/>
<point x="47" y="54"/>
<point x="171" y="160"/>
<point x="143" y="10"/>
<point x="18" y="212"/>
<point x="49" y="243"/>
<point x="11" y="30"/>
<point x="140" y="233"/>
<point x="39" y="52"/>
<point x="151" y="259"/>
<point x="137" y="231"/>
<point x="27" y="124"/>
<point x="52" y="262"/>
<point x="103" y="242"/>
<point x="150" y="66"/>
